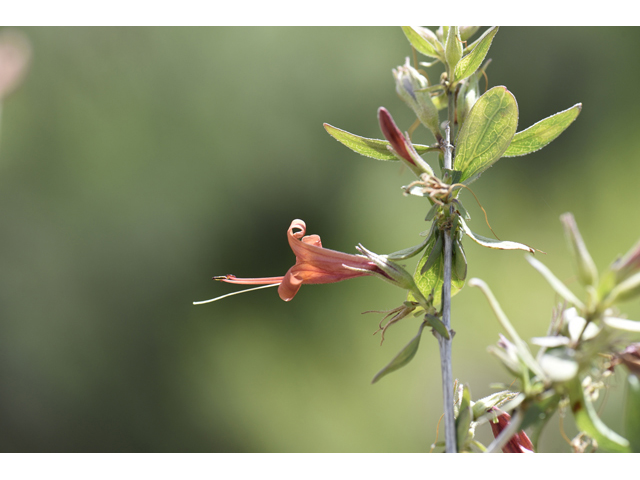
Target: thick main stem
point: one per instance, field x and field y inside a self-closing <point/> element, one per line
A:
<point x="445" y="344"/>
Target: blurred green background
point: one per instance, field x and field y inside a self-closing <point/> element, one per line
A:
<point x="136" y="163"/>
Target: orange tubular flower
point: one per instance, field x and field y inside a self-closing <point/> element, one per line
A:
<point x="519" y="443"/>
<point x="314" y="264"/>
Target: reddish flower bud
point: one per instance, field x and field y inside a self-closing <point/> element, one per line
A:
<point x="393" y="134"/>
<point x="400" y="144"/>
<point x="631" y="358"/>
<point x="519" y="443"/>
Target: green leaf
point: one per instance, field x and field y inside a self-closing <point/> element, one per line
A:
<point x="433" y="277"/>
<point x="542" y="133"/>
<point x="463" y="421"/>
<point x="435" y="323"/>
<point x="491" y="242"/>
<point x="435" y="253"/>
<point x="586" y="268"/>
<point x="408" y="252"/>
<point x="432" y="212"/>
<point x="369" y="147"/>
<point x="462" y="212"/>
<point x="404" y="357"/>
<point x="556" y="284"/>
<point x="587" y="420"/>
<point x="424" y="41"/>
<point x="486" y="133"/>
<point x="472" y="45"/>
<point x="468" y="65"/>
<point x="632" y="412"/>
<point x="459" y="260"/>
<point x="626" y="290"/>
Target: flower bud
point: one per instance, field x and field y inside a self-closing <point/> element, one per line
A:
<point x="401" y="145"/>
<point x="467" y="32"/>
<point x="453" y="49"/>
<point x="410" y="86"/>
<point x="587" y="272"/>
<point x="519" y="443"/>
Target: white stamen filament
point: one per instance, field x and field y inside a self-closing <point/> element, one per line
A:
<point x="236" y="293"/>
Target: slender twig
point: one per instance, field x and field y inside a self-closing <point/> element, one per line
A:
<point x="445" y="344"/>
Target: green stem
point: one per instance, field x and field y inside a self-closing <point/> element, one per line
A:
<point x="445" y="344"/>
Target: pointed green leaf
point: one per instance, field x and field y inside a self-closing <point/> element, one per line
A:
<point x="587" y="420"/>
<point x="472" y="45"/>
<point x="461" y="210"/>
<point x="433" y="277"/>
<point x="369" y="147"/>
<point x="424" y="41"/>
<point x="459" y="260"/>
<point x="471" y="62"/>
<point x="432" y="212"/>
<point x="408" y="252"/>
<point x="626" y="290"/>
<point x="463" y="421"/>
<point x="587" y="271"/>
<point x="542" y="133"/>
<point x="435" y="253"/>
<point x="404" y="357"/>
<point x="435" y="323"/>
<point x="486" y="133"/>
<point x="493" y="243"/>
<point x="632" y="412"/>
<point x="556" y="284"/>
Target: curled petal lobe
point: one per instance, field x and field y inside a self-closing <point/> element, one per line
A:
<point x="315" y="265"/>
